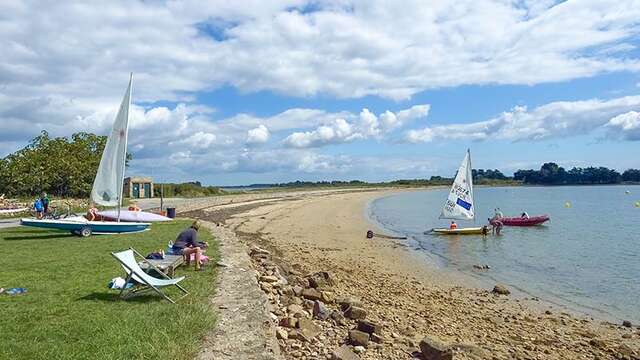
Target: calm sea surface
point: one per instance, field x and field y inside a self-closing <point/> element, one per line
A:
<point x="586" y="258"/>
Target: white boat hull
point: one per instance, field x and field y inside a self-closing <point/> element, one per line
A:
<point x="133" y="216"/>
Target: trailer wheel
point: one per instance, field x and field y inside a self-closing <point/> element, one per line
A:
<point x="85" y="231"/>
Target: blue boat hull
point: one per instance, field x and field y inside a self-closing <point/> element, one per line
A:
<point x="97" y="227"/>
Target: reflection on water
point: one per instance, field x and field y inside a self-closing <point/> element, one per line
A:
<point x="586" y="257"/>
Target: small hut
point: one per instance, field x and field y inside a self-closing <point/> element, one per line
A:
<point x="136" y="187"/>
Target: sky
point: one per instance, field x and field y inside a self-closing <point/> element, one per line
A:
<point x="256" y="91"/>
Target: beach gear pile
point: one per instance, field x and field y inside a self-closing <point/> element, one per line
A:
<point x="119" y="283"/>
<point x="13" y="291"/>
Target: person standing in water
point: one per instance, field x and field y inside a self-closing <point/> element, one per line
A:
<point x="453" y="225"/>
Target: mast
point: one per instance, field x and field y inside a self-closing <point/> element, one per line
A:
<point x="473" y="200"/>
<point x="124" y="155"/>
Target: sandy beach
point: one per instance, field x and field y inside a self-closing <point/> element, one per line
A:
<point x="405" y="296"/>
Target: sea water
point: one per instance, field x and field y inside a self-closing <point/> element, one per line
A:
<point x="587" y="258"/>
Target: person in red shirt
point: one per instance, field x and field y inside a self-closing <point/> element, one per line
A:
<point x="453" y="225"/>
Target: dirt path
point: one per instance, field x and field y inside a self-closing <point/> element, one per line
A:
<point x="243" y="326"/>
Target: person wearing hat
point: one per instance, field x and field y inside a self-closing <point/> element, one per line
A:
<point x="187" y="243"/>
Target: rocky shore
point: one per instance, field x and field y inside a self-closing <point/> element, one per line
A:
<point x="333" y="294"/>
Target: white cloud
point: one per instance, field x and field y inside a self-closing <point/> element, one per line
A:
<point x="258" y="135"/>
<point x="366" y="125"/>
<point x="556" y="119"/>
<point x="303" y="48"/>
<point x="626" y="126"/>
<point x="200" y="139"/>
<point x="339" y="130"/>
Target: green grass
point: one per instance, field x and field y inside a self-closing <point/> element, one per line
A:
<point x="69" y="313"/>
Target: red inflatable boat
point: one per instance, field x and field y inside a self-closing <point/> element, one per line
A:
<point x="521" y="221"/>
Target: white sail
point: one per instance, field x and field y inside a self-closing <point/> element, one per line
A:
<point x="107" y="187"/>
<point x="459" y="204"/>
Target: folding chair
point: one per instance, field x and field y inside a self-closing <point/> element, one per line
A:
<point x="147" y="282"/>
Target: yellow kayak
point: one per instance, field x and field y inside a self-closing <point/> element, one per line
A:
<point x="461" y="231"/>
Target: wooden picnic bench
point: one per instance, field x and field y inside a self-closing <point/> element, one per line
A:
<point x="167" y="265"/>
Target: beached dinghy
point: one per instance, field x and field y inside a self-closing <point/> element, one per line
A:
<point x="107" y="186"/>
<point x="135" y="216"/>
<point x="521" y="221"/>
<point x="459" y="204"/>
<point x="79" y="225"/>
<point x="461" y="231"/>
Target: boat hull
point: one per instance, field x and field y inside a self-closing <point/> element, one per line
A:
<point x="76" y="224"/>
<point x="133" y="216"/>
<point x="520" y="221"/>
<point x="460" y="231"/>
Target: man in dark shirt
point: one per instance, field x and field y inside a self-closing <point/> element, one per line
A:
<point x="187" y="243"/>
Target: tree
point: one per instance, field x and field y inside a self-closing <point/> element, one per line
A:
<point x="60" y="166"/>
<point x="631" y="175"/>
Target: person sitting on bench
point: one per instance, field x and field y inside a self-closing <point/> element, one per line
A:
<point x="187" y="243"/>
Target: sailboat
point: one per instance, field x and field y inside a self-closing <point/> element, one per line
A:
<point x="460" y="203"/>
<point x="107" y="186"/>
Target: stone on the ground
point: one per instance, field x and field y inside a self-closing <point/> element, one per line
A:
<point x="434" y="349"/>
<point x="282" y="333"/>
<point x="369" y="327"/>
<point x="338" y="317"/>
<point x="258" y="252"/>
<point x="297" y="290"/>
<point x="359" y="349"/>
<point x="294" y="309"/>
<point x="320" y="280"/>
<point x="311" y="294"/>
<point x="308" y="328"/>
<point x="357" y="337"/>
<point x="626" y="323"/>
<point x="327" y="296"/>
<point x="345" y="302"/>
<point x="355" y="313"/>
<point x="266" y="287"/>
<point x="289" y="322"/>
<point x="321" y="311"/>
<point x="501" y="290"/>
<point x="344" y="352"/>
<point x="377" y="338"/>
<point x="268" y="278"/>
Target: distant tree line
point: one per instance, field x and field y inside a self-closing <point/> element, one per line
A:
<point x="188" y="189"/>
<point x="480" y="176"/>
<point x="552" y="174"/>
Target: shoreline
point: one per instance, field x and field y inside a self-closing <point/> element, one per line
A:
<point x="325" y="232"/>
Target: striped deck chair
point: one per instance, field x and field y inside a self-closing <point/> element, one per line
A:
<point x="146" y="282"/>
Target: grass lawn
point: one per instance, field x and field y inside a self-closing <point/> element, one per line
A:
<point x="69" y="313"/>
